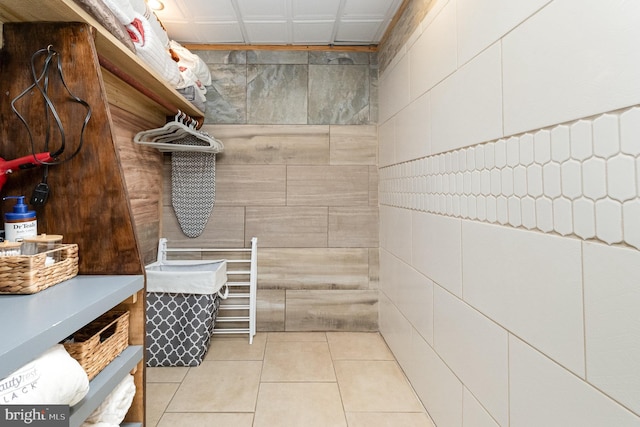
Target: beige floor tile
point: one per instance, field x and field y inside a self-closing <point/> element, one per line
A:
<point x="166" y="374"/>
<point x="178" y="419"/>
<point x="369" y="386"/>
<point x="298" y="405"/>
<point x="297" y="336"/>
<point x="388" y="419"/>
<point x="297" y="361"/>
<point x="358" y="346"/>
<point x="221" y="386"/>
<point x="237" y="348"/>
<point x="158" y="397"/>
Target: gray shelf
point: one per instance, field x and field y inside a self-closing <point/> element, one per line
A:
<point x="30" y="324"/>
<point x="104" y="383"/>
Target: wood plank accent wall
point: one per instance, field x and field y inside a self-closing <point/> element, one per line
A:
<point x="143" y="178"/>
<point x="88" y="202"/>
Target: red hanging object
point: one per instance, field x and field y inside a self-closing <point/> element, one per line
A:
<point x="9" y="166"/>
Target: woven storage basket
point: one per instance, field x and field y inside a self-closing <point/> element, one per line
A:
<point x="28" y="274"/>
<point x="99" y="342"/>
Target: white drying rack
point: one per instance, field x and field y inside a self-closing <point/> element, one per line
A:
<point x="237" y="313"/>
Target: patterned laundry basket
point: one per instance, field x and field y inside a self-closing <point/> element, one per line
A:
<point x="179" y="327"/>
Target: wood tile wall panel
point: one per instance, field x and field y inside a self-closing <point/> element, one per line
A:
<point x="250" y="185"/>
<point x="270" y="310"/>
<point x="331" y="310"/>
<point x="272" y="145"/>
<point x="374" y="268"/>
<point x="373" y="186"/>
<point x="327" y="185"/>
<point x="313" y="268"/>
<point x="310" y="195"/>
<point x="225" y="229"/>
<point x="354" y="145"/>
<point x="282" y="227"/>
<point x="353" y="227"/>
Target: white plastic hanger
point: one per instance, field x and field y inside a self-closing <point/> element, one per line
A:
<point x="168" y="137"/>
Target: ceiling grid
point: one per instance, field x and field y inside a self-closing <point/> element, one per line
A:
<point x="278" y="22"/>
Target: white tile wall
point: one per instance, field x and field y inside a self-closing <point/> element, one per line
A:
<point x="415" y="299"/>
<point x="397" y="237"/>
<point x="386" y="143"/>
<point x="397" y="331"/>
<point x="473" y="414"/>
<point x="436" y="249"/>
<point x="466" y="108"/>
<point x="394" y="89"/>
<point x="531" y="284"/>
<point x="433" y="56"/>
<point x="438" y="388"/>
<point x="544" y="394"/>
<point x="568" y="74"/>
<point x="413" y="131"/>
<point x="460" y="331"/>
<point x="612" y="320"/>
<point x="551" y="180"/>
<point x="535" y="146"/>
<point x="389" y="271"/>
<point x="630" y="132"/>
<point x="480" y="24"/>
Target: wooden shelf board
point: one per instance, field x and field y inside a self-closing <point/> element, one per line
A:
<point x="107" y="44"/>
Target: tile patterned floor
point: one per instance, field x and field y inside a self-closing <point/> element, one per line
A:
<point x="287" y="379"/>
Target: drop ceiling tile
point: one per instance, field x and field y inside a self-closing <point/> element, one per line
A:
<point x="206" y="10"/>
<point x="357" y="31"/>
<point x="175" y="10"/>
<point x="267" y="32"/>
<point x="360" y="21"/>
<point x="212" y="32"/>
<point x="224" y="32"/>
<point x="367" y="8"/>
<point x="312" y="32"/>
<point x="315" y="10"/>
<point x="262" y="10"/>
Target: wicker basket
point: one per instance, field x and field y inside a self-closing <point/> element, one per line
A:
<point x="28" y="274"/>
<point x="99" y="342"/>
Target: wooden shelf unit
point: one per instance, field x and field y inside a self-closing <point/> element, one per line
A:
<point x="108" y="199"/>
<point x="42" y="320"/>
<point x="106" y="44"/>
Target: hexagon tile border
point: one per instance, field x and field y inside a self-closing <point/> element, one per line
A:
<point x="580" y="178"/>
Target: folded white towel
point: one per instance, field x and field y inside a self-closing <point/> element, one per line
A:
<point x="193" y="62"/>
<point x="122" y="9"/>
<point x="53" y="378"/>
<point x="141" y="7"/>
<point x="112" y="411"/>
<point x="150" y="49"/>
